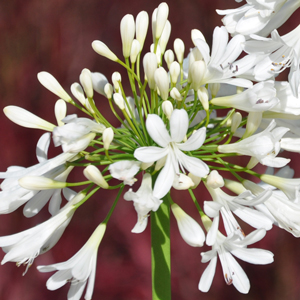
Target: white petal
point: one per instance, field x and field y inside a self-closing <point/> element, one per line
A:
<point x="157" y="130"/>
<point x="150" y="154"/>
<point x="208" y="276"/>
<point x="43" y="146"/>
<point x="254" y="256"/>
<point x="195" y="141"/>
<point x="179" y="123"/>
<point x="57" y="280"/>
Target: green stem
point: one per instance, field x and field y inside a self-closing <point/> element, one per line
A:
<point x="160" y="252"/>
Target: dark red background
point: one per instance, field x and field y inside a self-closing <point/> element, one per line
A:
<point x="56" y="36"/>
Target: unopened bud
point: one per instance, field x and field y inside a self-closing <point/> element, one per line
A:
<point x="127" y="28"/>
<point x="174" y="72"/>
<point x="161" y="19"/>
<point x="158" y="53"/>
<point x="202" y="94"/>
<point x="93" y="174"/>
<point x="179" y="50"/>
<point x="103" y="50"/>
<point x="182" y="182"/>
<point x="108" y="90"/>
<point x="175" y="94"/>
<point x="77" y="91"/>
<point x="235" y="122"/>
<point x="108" y="136"/>
<point x="214" y="180"/>
<point x="150" y="65"/>
<point x="253" y="122"/>
<point x="60" y="111"/>
<point x="116" y="78"/>
<point x="86" y="81"/>
<point x="198" y="70"/>
<point x="119" y="101"/>
<point x="169" y="57"/>
<point x="40" y="183"/>
<point x="163" y="41"/>
<point x="162" y="81"/>
<point x="167" y="108"/>
<point x="99" y="82"/>
<point x="142" y="23"/>
<point x="214" y="88"/>
<point x="195" y="179"/>
<point x="135" y="50"/>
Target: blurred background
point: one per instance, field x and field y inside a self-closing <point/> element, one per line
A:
<point x="55" y="36"/>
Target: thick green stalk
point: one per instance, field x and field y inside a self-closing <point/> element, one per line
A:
<point x="160" y="252"/>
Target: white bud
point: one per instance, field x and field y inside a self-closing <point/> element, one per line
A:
<point x="145" y="166"/>
<point x="60" y="110"/>
<point x="175" y="94"/>
<point x="161" y="19"/>
<point x="162" y="81"/>
<point x="88" y="105"/>
<point x="189" y="229"/>
<point x="127" y="28"/>
<point x="253" y="122"/>
<point x="174" y="71"/>
<point x="116" y="78"/>
<point x="195" y="179"/>
<point x="235" y="122"/>
<point x="179" y="50"/>
<point x="169" y="57"/>
<point x="103" y="50"/>
<point x="99" y="82"/>
<point x="214" y="88"/>
<point x="194" y="55"/>
<point x="202" y="94"/>
<point x="163" y="41"/>
<point x="119" y="101"/>
<point x="198" y="70"/>
<point x="108" y="90"/>
<point x="214" y="180"/>
<point x="26" y="119"/>
<point x="158" y="53"/>
<point x="150" y="65"/>
<point x="197" y="34"/>
<point x="135" y="50"/>
<point x="40" y="183"/>
<point x="167" y="108"/>
<point x="50" y="83"/>
<point x="77" y="91"/>
<point x="182" y="182"/>
<point x="86" y="81"/>
<point x="142" y="23"/>
<point x="93" y="174"/>
<point x="160" y="163"/>
<point x="153" y="24"/>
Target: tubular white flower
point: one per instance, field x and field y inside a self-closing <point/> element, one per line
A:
<point x="50" y="83"/>
<point x="150" y="65"/>
<point x="79" y="269"/>
<point x="99" y="81"/>
<point x="26" y="119"/>
<point x="40" y="183"/>
<point x="162" y="81"/>
<point x="103" y="50"/>
<point x="171" y="148"/>
<point x="93" y="174"/>
<point x="189" y="229"/>
<point x="144" y="201"/>
<point x="86" y="81"/>
<point x="125" y="170"/>
<point x="264" y="146"/>
<point x="127" y="28"/>
<point x="142" y="23"/>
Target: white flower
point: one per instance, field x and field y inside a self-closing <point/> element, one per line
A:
<point x="144" y="201"/>
<point x="78" y="269"/>
<point x="75" y="135"/>
<point x="189" y="229"/>
<point x="263" y="146"/>
<point x="25" y="246"/>
<point x="125" y="170"/>
<point x="261" y="97"/>
<point x="214" y="180"/>
<point x="233" y="273"/>
<point x="171" y="148"/>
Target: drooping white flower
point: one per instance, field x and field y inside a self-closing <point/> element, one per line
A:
<point x="76" y="134"/>
<point x="263" y="146"/>
<point x="144" y="201"/>
<point x="79" y="269"/>
<point x="225" y="248"/>
<point x="171" y="148"/>
<point x="125" y="170"/>
<point x="25" y="246"/>
<point x="189" y="229"/>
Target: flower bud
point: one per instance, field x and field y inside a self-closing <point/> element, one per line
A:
<point x="145" y="166"/>
<point x="197" y="34"/>
<point x="127" y="28"/>
<point x="77" y="91"/>
<point x="169" y="57"/>
<point x="196" y="180"/>
<point x="175" y="94"/>
<point x="93" y="174"/>
<point x="119" y="101"/>
<point x="50" y="83"/>
<point x="150" y="65"/>
<point x="40" y="183"/>
<point x="162" y="81"/>
<point x="167" y="108"/>
<point x="108" y="90"/>
<point x="189" y="229"/>
<point x="86" y="81"/>
<point x="108" y="136"/>
<point x="174" y="72"/>
<point x="163" y="41"/>
<point x="214" y="88"/>
<point x="182" y="182"/>
<point x="202" y="94"/>
<point x="158" y="53"/>
<point x="99" y="82"/>
<point x="116" y="78"/>
<point x="179" y="50"/>
<point x="142" y="23"/>
<point x="135" y="50"/>
<point x="253" y="122"/>
<point x="88" y="105"/>
<point x="235" y="122"/>
<point x="214" y="180"/>
<point x="60" y="111"/>
<point x="103" y="50"/>
<point x="198" y="70"/>
<point x="161" y="19"/>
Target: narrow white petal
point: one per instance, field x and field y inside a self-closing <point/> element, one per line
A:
<point x="150" y="154"/>
<point x="157" y="130"/>
<point x="179" y="123"/>
<point x="208" y="276"/>
<point x="57" y="280"/>
<point x="254" y="256"/>
<point x="195" y="141"/>
<point x="43" y="146"/>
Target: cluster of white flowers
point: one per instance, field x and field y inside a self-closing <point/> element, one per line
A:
<point x="172" y="135"/>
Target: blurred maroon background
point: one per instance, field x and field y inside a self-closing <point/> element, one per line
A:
<point x="56" y="36"/>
